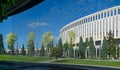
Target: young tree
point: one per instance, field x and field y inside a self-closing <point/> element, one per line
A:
<point x="56" y="52"/>
<point x="31" y="41"/>
<point x="37" y="50"/>
<point x="71" y="40"/>
<point x="11" y="38"/>
<point x="81" y="48"/>
<point x="91" y="48"/>
<point x="23" y="50"/>
<point x="17" y="51"/>
<point x="104" y="49"/>
<point x="42" y="51"/>
<point x="86" y="43"/>
<point x="66" y="49"/>
<point x="51" y="45"/>
<point x="47" y="39"/>
<point x="71" y="51"/>
<point x="60" y="45"/>
<point x="2" y="49"/>
<point x="112" y="45"/>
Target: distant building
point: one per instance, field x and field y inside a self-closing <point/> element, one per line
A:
<point x="19" y="51"/>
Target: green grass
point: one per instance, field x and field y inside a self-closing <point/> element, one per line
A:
<point x="91" y="62"/>
<point x="65" y="61"/>
<point x="23" y="58"/>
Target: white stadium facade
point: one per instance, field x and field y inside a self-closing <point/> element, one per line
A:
<point x="95" y="25"/>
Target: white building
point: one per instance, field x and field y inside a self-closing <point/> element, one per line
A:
<point x="96" y="25"/>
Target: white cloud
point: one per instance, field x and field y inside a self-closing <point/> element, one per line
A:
<point x="37" y="24"/>
<point x="43" y="24"/>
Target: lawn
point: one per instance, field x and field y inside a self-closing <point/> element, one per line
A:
<point x="91" y="62"/>
<point x="64" y="61"/>
<point x="24" y="58"/>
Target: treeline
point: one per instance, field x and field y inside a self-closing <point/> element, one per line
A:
<point x="31" y="50"/>
<point x="108" y="49"/>
<point x="84" y="49"/>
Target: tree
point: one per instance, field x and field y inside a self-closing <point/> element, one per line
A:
<point x="104" y="49"/>
<point x="60" y="45"/>
<point x="91" y="48"/>
<point x="37" y="50"/>
<point x="81" y="48"/>
<point x="31" y="41"/>
<point x="17" y="51"/>
<point x="47" y="39"/>
<point x="42" y="51"/>
<point x="11" y="38"/>
<point x="2" y="49"/>
<point x="86" y="43"/>
<point x="23" y="50"/>
<point x="71" y="40"/>
<point x="112" y="45"/>
<point x="56" y="52"/>
<point x="65" y="49"/>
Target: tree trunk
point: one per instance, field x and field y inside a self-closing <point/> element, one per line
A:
<point x="55" y="59"/>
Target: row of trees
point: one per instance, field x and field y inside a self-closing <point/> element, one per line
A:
<point x="2" y="49"/>
<point x="11" y="39"/>
<point x="109" y="46"/>
<point x="47" y="42"/>
<point x="82" y="48"/>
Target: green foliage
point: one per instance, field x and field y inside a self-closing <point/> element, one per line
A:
<point x="37" y="51"/>
<point x="56" y="52"/>
<point x="112" y="45"/>
<point x="23" y="50"/>
<point x="66" y="46"/>
<point x="71" y="36"/>
<point x="47" y="38"/>
<point x="81" y="48"/>
<point x="60" y="45"/>
<point x="31" y="41"/>
<point x="91" y="48"/>
<point x="71" y="40"/>
<point x="104" y="49"/>
<point x="118" y="52"/>
<point x="86" y="43"/>
<point x="11" y="38"/>
<point x="5" y="5"/>
<point x="47" y="41"/>
<point x="65" y="49"/>
<point x="2" y="49"/>
<point x="42" y="51"/>
<point x="31" y="36"/>
<point x="17" y="51"/>
<point x="71" y="51"/>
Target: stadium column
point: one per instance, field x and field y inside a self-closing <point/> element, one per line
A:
<point x="86" y="53"/>
<point x="96" y="52"/>
<point x="74" y="51"/>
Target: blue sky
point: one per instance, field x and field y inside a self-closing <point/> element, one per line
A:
<point x="50" y="15"/>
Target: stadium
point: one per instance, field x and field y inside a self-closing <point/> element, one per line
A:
<point x="95" y="25"/>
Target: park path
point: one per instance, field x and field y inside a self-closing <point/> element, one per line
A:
<point x="50" y="61"/>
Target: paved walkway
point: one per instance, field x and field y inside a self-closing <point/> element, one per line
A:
<point x="50" y="61"/>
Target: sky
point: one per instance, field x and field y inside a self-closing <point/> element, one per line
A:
<point x="50" y="15"/>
